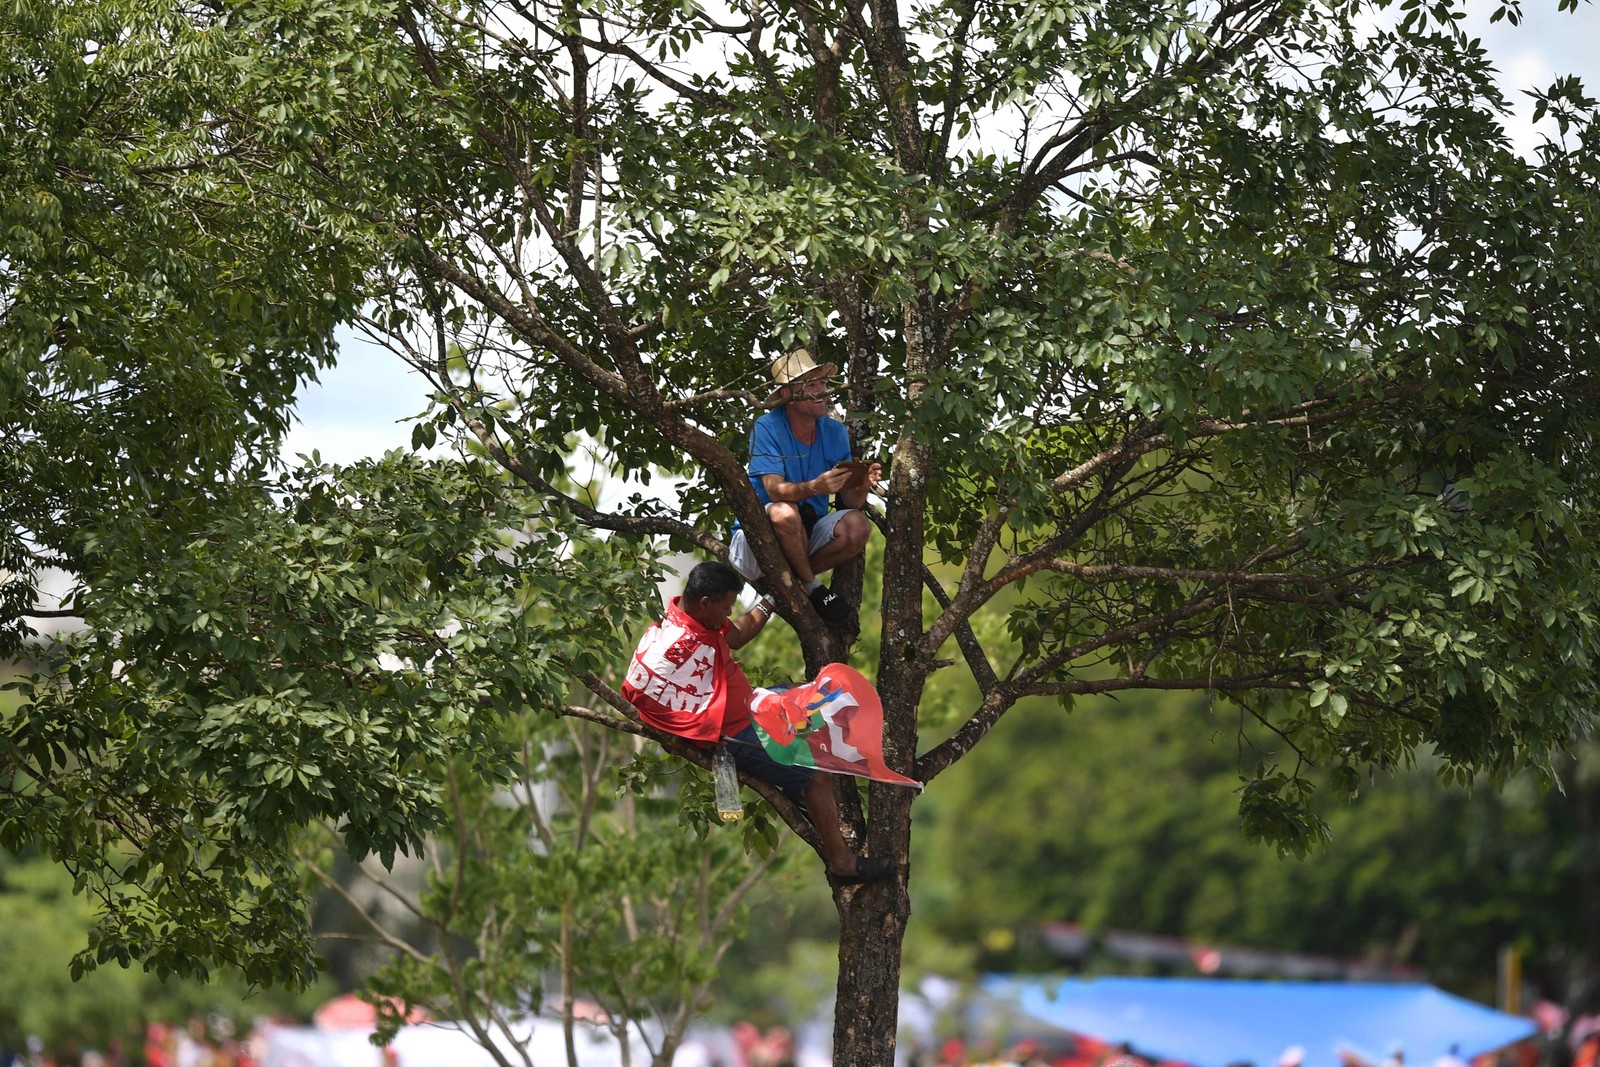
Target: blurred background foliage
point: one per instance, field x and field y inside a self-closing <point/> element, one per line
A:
<point x="43" y="924"/>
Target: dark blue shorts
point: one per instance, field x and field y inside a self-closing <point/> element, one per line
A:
<point x="752" y="759"/>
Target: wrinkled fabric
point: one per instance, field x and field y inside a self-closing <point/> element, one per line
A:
<point x="684" y="680"/>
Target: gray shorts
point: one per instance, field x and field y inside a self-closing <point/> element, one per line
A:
<point x="743" y="558"/>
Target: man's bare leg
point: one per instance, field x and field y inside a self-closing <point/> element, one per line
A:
<point x="849" y="537"/>
<point x="844" y="866"/>
<point x="792" y="539"/>
<point x="824" y="812"/>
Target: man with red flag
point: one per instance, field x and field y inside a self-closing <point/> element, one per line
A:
<point x="685" y="681"/>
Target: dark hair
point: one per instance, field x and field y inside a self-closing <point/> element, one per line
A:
<point x="711" y="579"/>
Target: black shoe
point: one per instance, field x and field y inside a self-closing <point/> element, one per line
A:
<point x="835" y="611"/>
<point x="868" y="869"/>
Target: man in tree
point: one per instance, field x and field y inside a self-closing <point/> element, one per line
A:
<point x="684" y="680"/>
<point x="800" y="457"/>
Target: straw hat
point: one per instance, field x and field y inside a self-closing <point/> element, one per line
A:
<point x="795" y="367"/>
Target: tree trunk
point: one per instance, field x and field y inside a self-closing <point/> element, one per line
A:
<point x="1583" y="978"/>
<point x="872" y="929"/>
<point x="873" y="918"/>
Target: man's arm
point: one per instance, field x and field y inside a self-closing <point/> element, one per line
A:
<point x="746" y="626"/>
<point x="781" y="491"/>
<point x="838" y="451"/>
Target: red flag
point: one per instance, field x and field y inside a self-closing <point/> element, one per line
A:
<point x="833" y="723"/>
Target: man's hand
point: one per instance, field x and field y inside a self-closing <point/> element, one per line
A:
<point x="830" y="481"/>
<point x="856" y="497"/>
<point x="746" y="626"/>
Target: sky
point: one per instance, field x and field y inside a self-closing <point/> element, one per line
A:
<point x="357" y="408"/>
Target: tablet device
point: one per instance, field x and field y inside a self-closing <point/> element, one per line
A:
<point x="858" y="473"/>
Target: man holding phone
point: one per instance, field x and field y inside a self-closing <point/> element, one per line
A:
<point x="799" y="459"/>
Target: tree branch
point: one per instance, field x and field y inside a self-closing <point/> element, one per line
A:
<point x="1132" y="448"/>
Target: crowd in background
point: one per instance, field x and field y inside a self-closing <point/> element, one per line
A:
<point x="212" y="1041"/>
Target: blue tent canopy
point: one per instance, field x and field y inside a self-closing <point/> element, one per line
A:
<point x="1212" y="1022"/>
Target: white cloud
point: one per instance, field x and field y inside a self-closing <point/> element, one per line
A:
<point x="1547" y="44"/>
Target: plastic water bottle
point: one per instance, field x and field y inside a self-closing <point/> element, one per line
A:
<point x="726" y="779"/>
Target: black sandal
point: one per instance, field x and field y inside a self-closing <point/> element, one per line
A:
<point x="868" y="869"/>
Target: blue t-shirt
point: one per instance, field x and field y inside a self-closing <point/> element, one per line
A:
<point x="775" y="450"/>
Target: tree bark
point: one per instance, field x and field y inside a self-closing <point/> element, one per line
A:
<point x="873" y="917"/>
<point x="1583" y="980"/>
<point x="872" y="929"/>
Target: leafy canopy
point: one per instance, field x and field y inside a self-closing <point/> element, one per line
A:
<point x="320" y="661"/>
<point x="163" y="291"/>
<point x="1234" y="336"/>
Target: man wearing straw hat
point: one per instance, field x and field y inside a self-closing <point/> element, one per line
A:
<point x="796" y="452"/>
